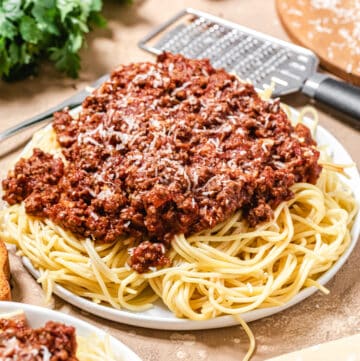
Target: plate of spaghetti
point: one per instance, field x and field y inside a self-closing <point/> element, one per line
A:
<point x="31" y="332"/>
<point x="178" y="198"/>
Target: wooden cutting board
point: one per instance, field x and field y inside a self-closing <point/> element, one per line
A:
<point x="330" y="28"/>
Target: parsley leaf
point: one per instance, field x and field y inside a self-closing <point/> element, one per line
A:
<point x="65" y="7"/>
<point x="7" y="29"/>
<point x="33" y="30"/>
<point x="29" y="30"/>
<point x="12" y="9"/>
<point x="66" y="60"/>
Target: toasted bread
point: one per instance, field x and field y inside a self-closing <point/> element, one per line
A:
<point x="5" y="294"/>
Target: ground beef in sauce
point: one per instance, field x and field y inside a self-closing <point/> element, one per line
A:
<point x="165" y="148"/>
<point x="54" y="341"/>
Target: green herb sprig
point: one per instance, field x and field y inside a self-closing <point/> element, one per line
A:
<point x="33" y="30"/>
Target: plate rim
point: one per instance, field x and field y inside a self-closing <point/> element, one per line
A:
<point x="173" y="323"/>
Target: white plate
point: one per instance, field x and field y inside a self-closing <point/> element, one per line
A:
<point x="38" y="316"/>
<point x="159" y="317"/>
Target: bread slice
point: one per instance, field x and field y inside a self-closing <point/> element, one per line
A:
<point x="5" y="294"/>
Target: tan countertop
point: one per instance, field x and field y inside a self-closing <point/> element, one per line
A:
<point x="319" y="318"/>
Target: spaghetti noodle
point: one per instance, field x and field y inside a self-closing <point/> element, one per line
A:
<point x="231" y="268"/>
<point x="95" y="348"/>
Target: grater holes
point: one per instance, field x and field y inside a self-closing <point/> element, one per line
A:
<point x="205" y="40"/>
<point x="252" y="60"/>
<point x="249" y="54"/>
<point x="181" y="39"/>
<point x="238" y="52"/>
<point x="297" y="66"/>
<point x="161" y="44"/>
<point x="218" y="48"/>
<point x="275" y="59"/>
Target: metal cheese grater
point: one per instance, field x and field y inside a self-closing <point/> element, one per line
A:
<point x="253" y="56"/>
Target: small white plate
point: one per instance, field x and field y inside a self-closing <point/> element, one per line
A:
<point x="159" y="317"/>
<point x="38" y="316"/>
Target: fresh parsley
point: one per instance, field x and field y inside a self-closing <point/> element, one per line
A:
<point x="33" y="30"/>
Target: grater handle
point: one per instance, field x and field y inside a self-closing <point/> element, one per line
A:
<point x="339" y="95"/>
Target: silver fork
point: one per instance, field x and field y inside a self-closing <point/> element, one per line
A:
<point x="72" y="102"/>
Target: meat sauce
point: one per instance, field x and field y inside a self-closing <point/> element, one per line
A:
<point x="161" y="149"/>
<point x="53" y="342"/>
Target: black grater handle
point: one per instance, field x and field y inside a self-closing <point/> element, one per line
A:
<point x="339" y="95"/>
